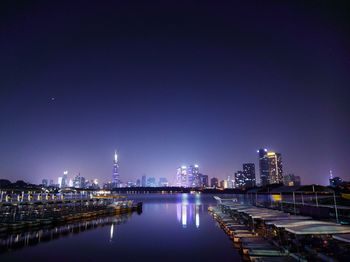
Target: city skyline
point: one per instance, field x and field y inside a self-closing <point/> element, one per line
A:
<point x="190" y="176"/>
<point x="169" y="84"/>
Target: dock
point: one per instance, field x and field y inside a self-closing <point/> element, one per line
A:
<point x="22" y="215"/>
<point x="263" y="234"/>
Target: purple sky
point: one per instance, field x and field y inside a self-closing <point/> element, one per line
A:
<point x="170" y="83"/>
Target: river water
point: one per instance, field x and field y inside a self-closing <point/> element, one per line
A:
<point x="173" y="227"/>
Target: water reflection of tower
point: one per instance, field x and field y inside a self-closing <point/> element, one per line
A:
<point x="188" y="213"/>
<point x="111" y="233"/>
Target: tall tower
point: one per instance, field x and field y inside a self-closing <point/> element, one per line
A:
<point x="249" y="174"/>
<point x="263" y="166"/>
<point x="115" y="176"/>
<point x="275" y="168"/>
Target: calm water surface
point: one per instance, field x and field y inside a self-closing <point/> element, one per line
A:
<point x="170" y="228"/>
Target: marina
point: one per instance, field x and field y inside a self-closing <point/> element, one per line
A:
<point x="262" y="234"/>
<point x="30" y="214"/>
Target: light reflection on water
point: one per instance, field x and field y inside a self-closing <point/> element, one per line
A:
<point x="168" y="224"/>
<point x="188" y="213"/>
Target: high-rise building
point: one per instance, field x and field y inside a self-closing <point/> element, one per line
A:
<point x="270" y="165"/>
<point x="240" y="180"/>
<point x="64" y="182"/>
<point x="204" y="180"/>
<point x="230" y="182"/>
<point x="263" y="167"/>
<point x="45" y="182"/>
<point x="214" y="182"/>
<point x="275" y="168"/>
<point x="143" y="181"/>
<point x="115" y="176"/>
<point x="138" y="182"/>
<point x="130" y="184"/>
<point x="224" y="184"/>
<point x="188" y="176"/>
<point x="193" y="176"/>
<point x="151" y="182"/>
<point x="59" y="181"/>
<point x="291" y="180"/>
<point x="79" y="181"/>
<point x="163" y="182"/>
<point x="249" y="173"/>
<point x="181" y="177"/>
<point x="51" y="182"/>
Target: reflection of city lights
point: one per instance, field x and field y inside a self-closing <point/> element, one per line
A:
<point x="111" y="233"/>
<point x="184" y="216"/>
<point x="187" y="212"/>
<point x="197" y="216"/>
<point x="178" y="212"/>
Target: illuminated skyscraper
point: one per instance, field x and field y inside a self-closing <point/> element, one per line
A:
<point x="204" y="180"/>
<point x="181" y="176"/>
<point x="193" y="176"/>
<point x="188" y="176"/>
<point x="263" y="166"/>
<point x="115" y="176"/>
<point x="275" y="168"/>
<point x="144" y="181"/>
<point x="59" y="182"/>
<point x="270" y="165"/>
<point x="240" y="180"/>
<point x="45" y="182"/>
<point x="249" y="173"/>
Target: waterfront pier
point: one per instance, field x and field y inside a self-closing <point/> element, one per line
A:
<point x="262" y="234"/>
<point x="19" y="214"/>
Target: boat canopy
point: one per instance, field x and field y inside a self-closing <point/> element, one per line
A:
<point x="285" y="218"/>
<point x="319" y="229"/>
<point x="297" y="223"/>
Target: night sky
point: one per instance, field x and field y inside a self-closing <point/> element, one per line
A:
<point x="168" y="83"/>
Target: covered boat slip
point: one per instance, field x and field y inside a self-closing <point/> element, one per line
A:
<point x="249" y="243"/>
<point x="273" y="259"/>
<point x="279" y="236"/>
<point x="295" y="223"/>
<point x="319" y="229"/>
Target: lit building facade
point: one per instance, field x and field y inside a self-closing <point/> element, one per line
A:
<point x="181" y="176"/>
<point x="45" y="182"/>
<point x="151" y="182"/>
<point x="204" y="180"/>
<point x="275" y="168"/>
<point x="193" y="176"/>
<point x="270" y="166"/>
<point x="115" y="176"/>
<point x="249" y="173"/>
<point x="143" y="181"/>
<point x="163" y="182"/>
<point x="188" y="176"/>
<point x="240" y="180"/>
<point x="263" y="166"/>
